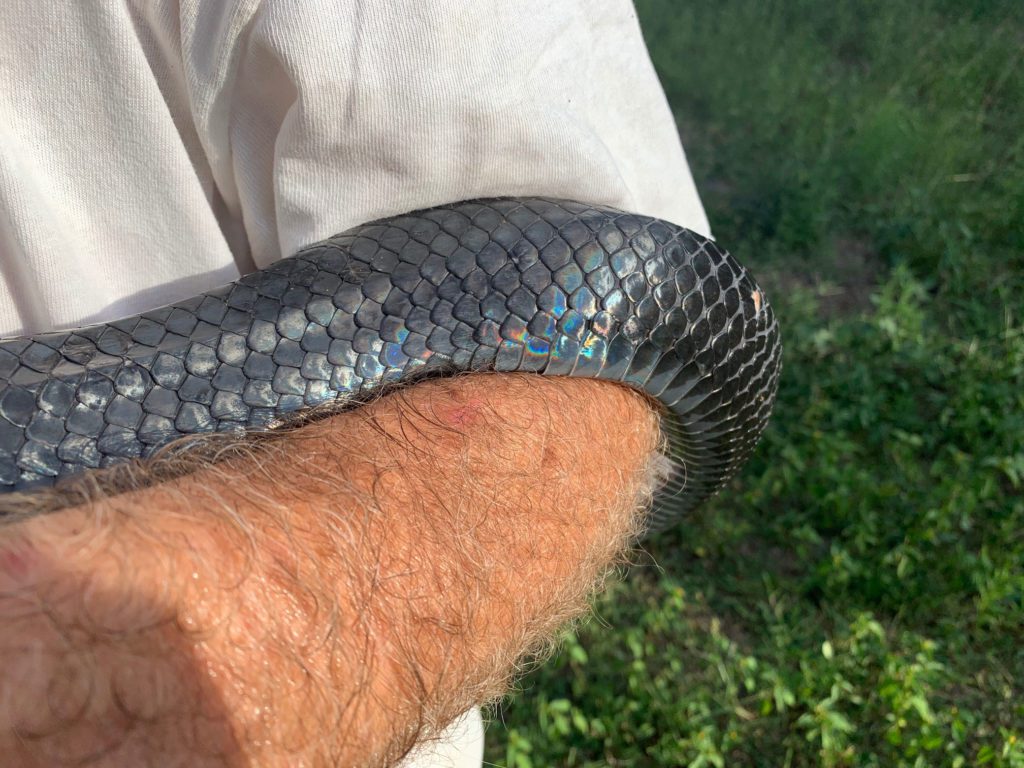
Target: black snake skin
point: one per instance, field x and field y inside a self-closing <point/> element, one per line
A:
<point x="555" y="287"/>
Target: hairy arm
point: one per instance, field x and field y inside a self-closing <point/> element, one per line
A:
<point x="329" y="597"/>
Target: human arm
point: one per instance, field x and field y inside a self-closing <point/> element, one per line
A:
<point x="331" y="596"/>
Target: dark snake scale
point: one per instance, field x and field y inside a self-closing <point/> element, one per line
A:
<point x="555" y="287"/>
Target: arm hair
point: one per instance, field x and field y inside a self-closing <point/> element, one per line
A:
<point x="333" y="595"/>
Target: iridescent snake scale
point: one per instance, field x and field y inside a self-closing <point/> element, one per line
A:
<point x="527" y="284"/>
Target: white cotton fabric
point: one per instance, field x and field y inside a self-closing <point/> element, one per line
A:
<point x="153" y="149"/>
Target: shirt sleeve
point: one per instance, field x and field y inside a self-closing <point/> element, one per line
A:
<point x="316" y="116"/>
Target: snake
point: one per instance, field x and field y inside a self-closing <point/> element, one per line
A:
<point x="525" y="284"/>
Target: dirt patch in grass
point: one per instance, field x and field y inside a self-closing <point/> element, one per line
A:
<point x="844" y="278"/>
<point x="855" y="273"/>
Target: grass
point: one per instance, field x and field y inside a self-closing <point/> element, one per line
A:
<point x="856" y="596"/>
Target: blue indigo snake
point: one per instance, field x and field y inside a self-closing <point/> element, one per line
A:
<point x="511" y="284"/>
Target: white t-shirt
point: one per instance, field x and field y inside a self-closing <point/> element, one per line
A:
<point x="154" y="149"/>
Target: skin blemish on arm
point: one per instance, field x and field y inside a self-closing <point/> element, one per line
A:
<point x="458" y="410"/>
<point x="462" y="415"/>
<point x="18" y="561"/>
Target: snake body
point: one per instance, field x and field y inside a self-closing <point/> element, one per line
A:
<point x="527" y="284"/>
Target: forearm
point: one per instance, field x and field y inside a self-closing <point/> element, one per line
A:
<point x="332" y="596"/>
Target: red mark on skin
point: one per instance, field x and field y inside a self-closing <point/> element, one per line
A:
<point x="462" y="415"/>
<point x="17" y="561"/>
